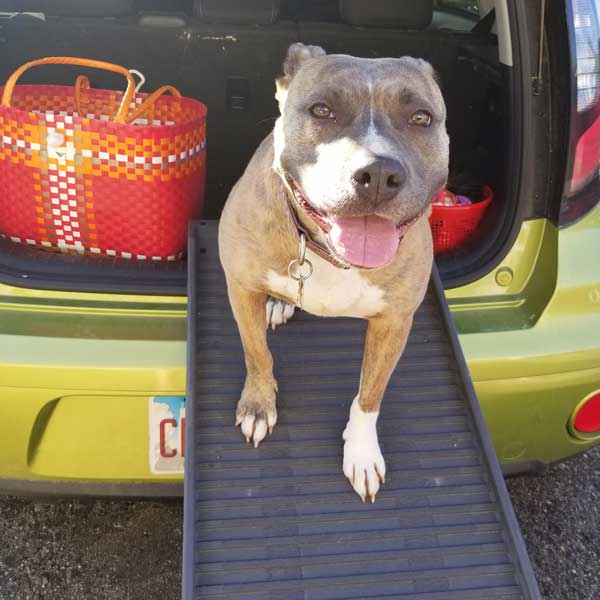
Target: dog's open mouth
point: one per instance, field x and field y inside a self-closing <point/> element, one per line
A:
<point x="368" y="242"/>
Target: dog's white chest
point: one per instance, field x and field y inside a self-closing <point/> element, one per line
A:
<point x="330" y="292"/>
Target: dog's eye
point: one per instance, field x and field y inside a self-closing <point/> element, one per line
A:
<point x="321" y="111"/>
<point x="421" y="118"/>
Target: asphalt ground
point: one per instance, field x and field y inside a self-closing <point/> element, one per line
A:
<point x="123" y="550"/>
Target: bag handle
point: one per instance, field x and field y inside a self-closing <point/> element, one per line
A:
<point x="150" y="101"/>
<point x="83" y="83"/>
<point x="121" y="116"/>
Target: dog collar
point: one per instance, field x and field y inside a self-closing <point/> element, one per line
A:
<point x="293" y="206"/>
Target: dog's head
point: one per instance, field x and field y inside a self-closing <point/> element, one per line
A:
<point x="362" y="142"/>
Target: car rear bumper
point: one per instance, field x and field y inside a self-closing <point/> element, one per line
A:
<point x="90" y="436"/>
<point x="74" y="412"/>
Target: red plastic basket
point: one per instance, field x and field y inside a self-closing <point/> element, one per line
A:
<point x="81" y="172"/>
<point x="452" y="225"/>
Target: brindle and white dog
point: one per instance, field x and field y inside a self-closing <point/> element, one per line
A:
<point x="354" y="161"/>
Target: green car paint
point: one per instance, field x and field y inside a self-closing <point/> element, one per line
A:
<point x="530" y="380"/>
<point x="77" y="369"/>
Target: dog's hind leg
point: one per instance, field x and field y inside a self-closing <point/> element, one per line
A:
<point x="363" y="462"/>
<point x="256" y="411"/>
<point x="278" y="312"/>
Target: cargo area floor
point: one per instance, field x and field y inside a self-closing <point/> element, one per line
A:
<point x="281" y="522"/>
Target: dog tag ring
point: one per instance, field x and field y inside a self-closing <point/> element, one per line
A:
<point x="300" y="269"/>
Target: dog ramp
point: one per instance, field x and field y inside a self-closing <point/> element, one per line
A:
<point x="282" y="522"/>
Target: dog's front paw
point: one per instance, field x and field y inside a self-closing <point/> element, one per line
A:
<point x="278" y="312"/>
<point x="363" y="462"/>
<point x="364" y="467"/>
<point x="256" y="413"/>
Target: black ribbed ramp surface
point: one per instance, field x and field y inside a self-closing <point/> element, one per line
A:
<point x="283" y="523"/>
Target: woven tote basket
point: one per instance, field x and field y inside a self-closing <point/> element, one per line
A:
<point x="99" y="171"/>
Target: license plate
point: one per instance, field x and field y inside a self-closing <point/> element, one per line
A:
<point x="166" y="420"/>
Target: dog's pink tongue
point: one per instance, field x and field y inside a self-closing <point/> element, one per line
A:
<point x="364" y="241"/>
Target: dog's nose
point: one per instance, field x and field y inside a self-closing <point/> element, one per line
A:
<point x="380" y="180"/>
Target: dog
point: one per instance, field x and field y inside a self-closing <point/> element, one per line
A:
<point x="331" y="214"/>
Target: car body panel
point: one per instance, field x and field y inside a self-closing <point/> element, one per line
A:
<point x="76" y="370"/>
<point x="514" y="294"/>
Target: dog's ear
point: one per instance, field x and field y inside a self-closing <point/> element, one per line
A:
<point x="297" y="55"/>
<point x="424" y="66"/>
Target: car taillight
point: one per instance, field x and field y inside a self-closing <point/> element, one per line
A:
<point x="582" y="185"/>
<point x="587" y="416"/>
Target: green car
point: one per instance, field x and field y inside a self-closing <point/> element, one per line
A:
<point x="93" y="352"/>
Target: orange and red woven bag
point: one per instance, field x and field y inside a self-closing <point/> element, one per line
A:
<point x="99" y="171"/>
